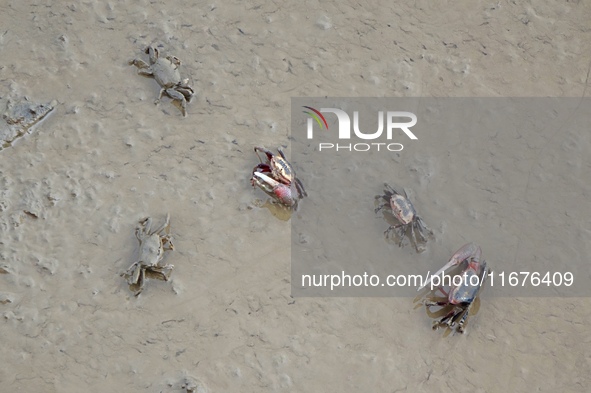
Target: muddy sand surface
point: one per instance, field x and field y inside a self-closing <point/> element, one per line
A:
<point x="73" y="191"/>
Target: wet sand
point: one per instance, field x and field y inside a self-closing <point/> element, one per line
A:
<point x="107" y="157"/>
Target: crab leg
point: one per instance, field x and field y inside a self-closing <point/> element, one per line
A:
<point x="383" y="205"/>
<point x="176" y="95"/>
<point x="267" y="152"/>
<point x="300" y="188"/>
<point x="461" y="315"/>
<point x="441" y="303"/>
<point x="165" y="225"/>
<point x="451" y="317"/>
<point x="468" y="251"/>
<point x="157" y="100"/>
<point x="414" y="236"/>
<point x="152" y="53"/>
<point x="132" y="273"/>
<point x="140" y="281"/>
<point x="167" y="243"/>
<point x="263" y="168"/>
<point x="401" y="232"/>
<point x="422" y="228"/>
<point x="142" y="65"/>
<point x="483" y="278"/>
<point x="161" y="272"/>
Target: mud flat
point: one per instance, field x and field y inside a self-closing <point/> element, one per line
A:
<point x="72" y="193"/>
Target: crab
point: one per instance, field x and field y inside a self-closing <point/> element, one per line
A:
<point x="276" y="177"/>
<point x="153" y="243"/>
<point x="406" y="215"/>
<point x="280" y="168"/>
<point x="166" y="72"/>
<point x="460" y="298"/>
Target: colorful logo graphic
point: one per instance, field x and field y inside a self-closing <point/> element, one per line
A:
<point x="316" y="115"/>
<point x="392" y="122"/>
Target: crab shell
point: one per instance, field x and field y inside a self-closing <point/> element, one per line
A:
<point x="166" y="71"/>
<point x="278" y="164"/>
<point x="465" y="294"/>
<point x="402" y="209"/>
<point x="282" y="169"/>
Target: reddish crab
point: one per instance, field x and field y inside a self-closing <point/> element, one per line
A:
<point x="276" y="177"/>
<point x="406" y="215"/>
<point x="280" y="168"/>
<point x="461" y="297"/>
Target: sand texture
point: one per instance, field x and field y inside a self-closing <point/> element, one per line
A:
<point x="73" y="191"/>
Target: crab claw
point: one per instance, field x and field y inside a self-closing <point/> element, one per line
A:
<point x="267" y="152"/>
<point x="468" y="251"/>
<point x="174" y="60"/>
<point x="274" y="188"/>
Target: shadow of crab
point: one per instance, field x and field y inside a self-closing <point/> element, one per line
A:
<point x="151" y="275"/>
<point x="278" y="210"/>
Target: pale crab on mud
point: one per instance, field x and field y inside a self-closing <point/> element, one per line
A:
<point x="166" y="72"/>
<point x="151" y="254"/>
<point x="276" y="177"/>
<point x="461" y="297"/>
<point x="404" y="212"/>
